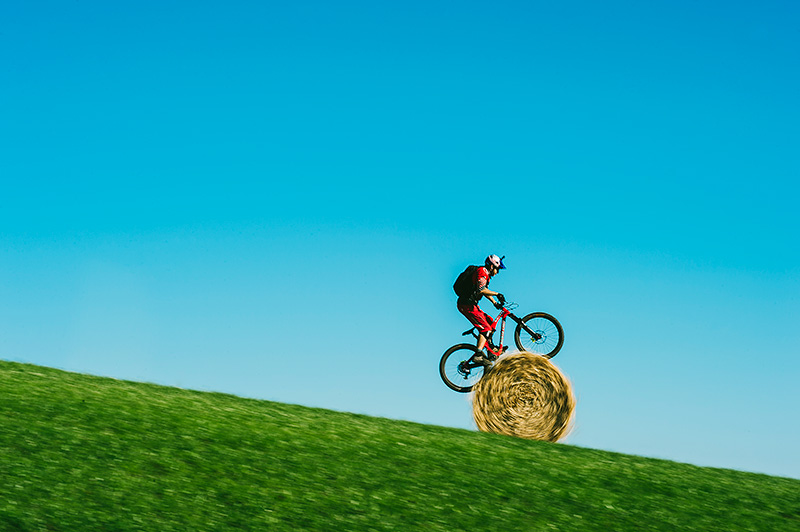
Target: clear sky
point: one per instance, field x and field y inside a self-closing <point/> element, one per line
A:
<point x="272" y="199"/>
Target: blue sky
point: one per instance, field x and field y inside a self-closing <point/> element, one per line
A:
<point x="274" y="200"/>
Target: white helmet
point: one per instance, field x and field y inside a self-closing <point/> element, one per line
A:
<point x="497" y="262"/>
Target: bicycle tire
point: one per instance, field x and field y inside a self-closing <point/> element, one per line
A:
<point x="453" y="377"/>
<point x="542" y="323"/>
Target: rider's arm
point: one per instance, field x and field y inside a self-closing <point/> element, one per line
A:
<point x="489" y="294"/>
<point x="483" y="289"/>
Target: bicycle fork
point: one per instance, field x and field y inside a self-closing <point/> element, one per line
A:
<point x="536" y="336"/>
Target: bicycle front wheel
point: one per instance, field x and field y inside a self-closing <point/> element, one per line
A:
<point x="457" y="372"/>
<point x="544" y="326"/>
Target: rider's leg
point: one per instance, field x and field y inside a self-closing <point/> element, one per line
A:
<point x="480" y="357"/>
<point x="481" y="341"/>
<point x="481" y="321"/>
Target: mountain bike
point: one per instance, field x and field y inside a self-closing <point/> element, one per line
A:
<point x="463" y="365"/>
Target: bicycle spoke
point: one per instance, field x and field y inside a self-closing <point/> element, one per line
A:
<point x="456" y="370"/>
<point x="548" y="336"/>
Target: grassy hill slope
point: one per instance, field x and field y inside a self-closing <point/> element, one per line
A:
<point x="82" y="453"/>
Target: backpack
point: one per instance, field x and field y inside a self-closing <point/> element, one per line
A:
<point x="464" y="285"/>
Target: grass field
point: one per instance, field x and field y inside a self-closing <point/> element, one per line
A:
<point x="82" y="453"/>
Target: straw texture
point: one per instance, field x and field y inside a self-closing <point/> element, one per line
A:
<point x="526" y="396"/>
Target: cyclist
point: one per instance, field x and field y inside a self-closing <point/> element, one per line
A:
<point x="468" y="305"/>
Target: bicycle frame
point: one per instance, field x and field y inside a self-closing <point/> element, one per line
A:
<point x="463" y="365"/>
<point x="496" y="350"/>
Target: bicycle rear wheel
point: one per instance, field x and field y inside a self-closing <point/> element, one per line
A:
<point x="545" y="325"/>
<point x="457" y="372"/>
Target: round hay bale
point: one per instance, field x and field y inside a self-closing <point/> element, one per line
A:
<point x="526" y="396"/>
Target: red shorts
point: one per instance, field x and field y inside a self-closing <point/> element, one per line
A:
<point x="477" y="317"/>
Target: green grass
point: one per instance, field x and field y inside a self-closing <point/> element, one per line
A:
<point x="82" y="453"/>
